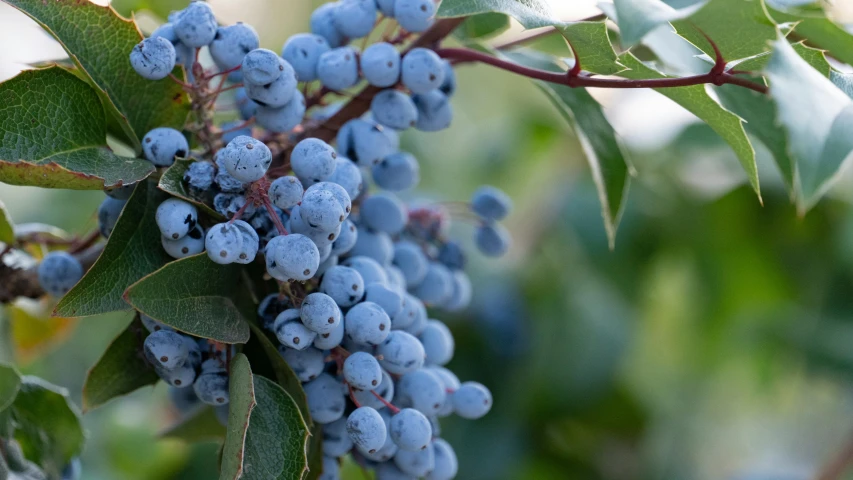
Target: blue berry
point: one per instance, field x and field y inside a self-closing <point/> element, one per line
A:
<point x="451" y="383"/>
<point x="422" y="70"/>
<point x="388" y="450"/>
<point x="320" y="313"/>
<point x="386" y="7"/>
<point x="396" y="172"/>
<point x="337" y="69"/>
<point x="355" y="18"/>
<point x="462" y="291"/>
<point x="366" y="429"/>
<point x="247" y="107"/>
<point x="58" y="272"/>
<point x="401" y="352"/>
<point x="347" y="175"/>
<point x="492" y="239"/>
<point x="291" y="332"/>
<point x="394" y="109"/>
<point x="375" y="245"/>
<point x="228" y="204"/>
<point x="418" y="463"/>
<point x="384" y="212"/>
<point x="328" y="341"/>
<point x="446" y="463"/>
<point x="292" y="257"/>
<point x="183" y="53"/>
<point x="108" y="214"/>
<point x="343" y="284"/>
<point x="437" y="286"/>
<point x="336" y="441"/>
<point x="471" y="400"/>
<point x="411" y="260"/>
<point x="262" y="67"/>
<point x="249" y="246"/>
<point x="325" y="396"/>
<point x="331" y="469"/>
<point x="380" y="65"/>
<point x="385" y="297"/>
<point x="286" y="192"/>
<point x="365" y="142"/>
<point x="199" y="176"/>
<point x="153" y="58"/>
<point x="307" y="364"/>
<point x="385" y="390"/>
<point x="223" y="179"/>
<point x="410" y="430"/>
<point x="396" y="279"/>
<point x="270" y="307"/>
<point x="176" y="218"/>
<point x="362" y="371"/>
<point x="448" y="86"/>
<point x="414" y="15"/>
<point x="162" y="145"/>
<point x="178" y="377"/>
<point x="246" y="158"/>
<point x="153" y="325"/>
<point x="166" y="349"/>
<point x="421" y="390"/>
<point x="190" y="244"/>
<point x="331" y="261"/>
<point x="283" y="119"/>
<point x="367" y="323"/>
<point x="346" y="239"/>
<point x="434" y="111"/>
<point x="451" y="255"/>
<point x="323" y="24"/>
<point x="212" y="387"/>
<point x="337" y="191"/>
<point x="491" y="203"/>
<point x="389" y="471"/>
<point x="231" y="44"/>
<point x="197" y="25"/>
<point x="321" y="210"/>
<point x="313" y="159"/>
<point x="224" y="243"/>
<point x="277" y="93"/>
<point x="303" y="52"/>
<point x="369" y="269"/>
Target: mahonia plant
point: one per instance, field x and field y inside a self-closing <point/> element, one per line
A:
<point x="281" y="284"/>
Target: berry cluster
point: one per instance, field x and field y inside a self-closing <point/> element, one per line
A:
<point x="356" y="266"/>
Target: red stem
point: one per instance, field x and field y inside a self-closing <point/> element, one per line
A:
<point x="352" y="397"/>
<point x="275" y="218"/>
<point x="574" y="81"/>
<point x="388" y="404"/>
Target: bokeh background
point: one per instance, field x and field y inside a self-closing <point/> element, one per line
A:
<point x="714" y="342"/>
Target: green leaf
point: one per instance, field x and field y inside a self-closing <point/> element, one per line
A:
<point x="161" y="8"/>
<point x="196" y="296"/>
<point x="817" y="117"/>
<point x="267" y="437"/>
<point x="315" y="453"/>
<point x="592" y="44"/>
<point x="120" y="370"/>
<point x="7" y="227"/>
<point x="814" y="57"/>
<point x="819" y="31"/>
<point x="482" y="26"/>
<point x="172" y="182"/>
<point x="281" y="371"/>
<point x="530" y="13"/>
<point x="844" y="81"/>
<point x="133" y="251"/>
<point x="697" y="100"/>
<point x="604" y="152"/>
<point x="100" y="41"/>
<point x="48" y="425"/>
<point x="739" y="28"/>
<point x="43" y="230"/>
<point x="636" y="18"/>
<point x="10" y="383"/>
<point x="198" y="426"/>
<point x="60" y="133"/>
<point x="759" y="113"/>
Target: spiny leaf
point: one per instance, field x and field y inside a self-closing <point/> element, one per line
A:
<point x="696" y="99"/>
<point x="59" y="132"/>
<point x="592" y="44"/>
<point x="636" y="18"/>
<point x="196" y="296"/>
<point x="120" y="370"/>
<point x="530" y="13"/>
<point x="740" y="28"/>
<point x="482" y="26"/>
<point x="817" y="117"/>
<point x="814" y="57"/>
<point x="819" y="31"/>
<point x="133" y="251"/>
<point x="10" y="383"/>
<point x="172" y="182"/>
<point x="7" y="228"/>
<point x="100" y="41"/>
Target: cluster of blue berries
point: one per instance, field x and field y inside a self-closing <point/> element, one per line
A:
<point x="357" y="266"/>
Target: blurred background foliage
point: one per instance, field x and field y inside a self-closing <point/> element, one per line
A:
<point x="714" y="342"/>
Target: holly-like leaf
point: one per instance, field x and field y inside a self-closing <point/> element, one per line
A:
<point x="132" y="252"/>
<point x="482" y="26"/>
<point x="636" y="18"/>
<point x="196" y="296"/>
<point x="198" y="426"/>
<point x="604" y="151"/>
<point x="172" y="182"/>
<point x="59" y="132"/>
<point x="592" y="44"/>
<point x="739" y="28"/>
<point x="843" y="81"/>
<point x="530" y="13"/>
<point x="696" y="99"/>
<point x="817" y="117"/>
<point x="260" y="344"/>
<point x="7" y="228"/>
<point x="120" y="370"/>
<point x="48" y="425"/>
<point x="813" y="56"/>
<point x="99" y="42"/>
<point x="10" y="383"/>
<point x="820" y="31"/>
